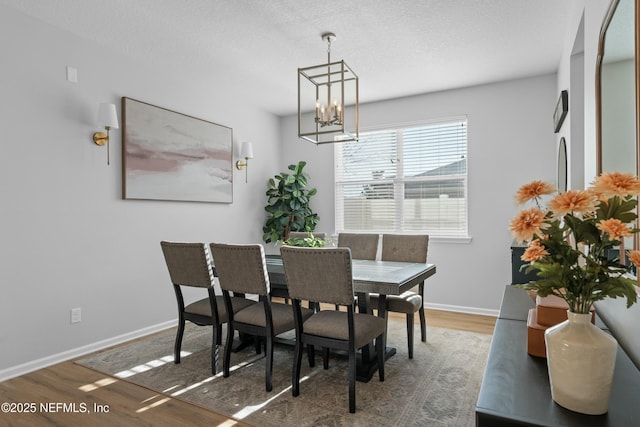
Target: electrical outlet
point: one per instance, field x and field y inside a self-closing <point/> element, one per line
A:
<point x="76" y="315"/>
<point x="72" y="74"/>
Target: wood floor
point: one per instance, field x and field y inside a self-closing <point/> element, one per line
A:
<point x="67" y="394"/>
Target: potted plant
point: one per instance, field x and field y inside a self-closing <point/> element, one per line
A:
<point x="571" y="242"/>
<point x="309" y="241"/>
<point x="288" y="206"/>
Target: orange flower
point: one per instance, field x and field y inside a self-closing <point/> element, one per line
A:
<point x="611" y="184"/>
<point x="573" y="201"/>
<point x="634" y="257"/>
<point x="533" y="190"/>
<point x="614" y="228"/>
<point x="534" y="252"/>
<point x="527" y="223"/>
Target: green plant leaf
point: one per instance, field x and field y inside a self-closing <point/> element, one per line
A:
<point x="288" y="204"/>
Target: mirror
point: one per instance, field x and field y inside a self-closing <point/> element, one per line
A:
<point x="617" y="94"/>
<point x="616" y="90"/>
<point x="562" y="166"/>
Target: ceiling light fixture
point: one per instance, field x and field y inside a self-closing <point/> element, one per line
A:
<point x="323" y="93"/>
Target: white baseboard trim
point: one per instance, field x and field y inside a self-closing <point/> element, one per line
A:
<point x="34" y="365"/>
<point x="462" y="309"/>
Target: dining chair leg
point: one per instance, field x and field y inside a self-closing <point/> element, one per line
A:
<point x="325" y="357"/>
<point x="214" y="350"/>
<point x="311" y="352"/>
<point x="178" y="345"/>
<point x="410" y="334"/>
<point x="219" y="335"/>
<point x="269" y="361"/>
<point x="423" y="325"/>
<point x="352" y="380"/>
<point x="227" y="351"/>
<point x="380" y="356"/>
<point x="295" y="374"/>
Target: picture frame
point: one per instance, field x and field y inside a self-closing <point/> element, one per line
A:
<point x="168" y="155"/>
<point x="562" y="107"/>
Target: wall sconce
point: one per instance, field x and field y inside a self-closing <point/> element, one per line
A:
<point x="107" y="117"/>
<point x="247" y="152"/>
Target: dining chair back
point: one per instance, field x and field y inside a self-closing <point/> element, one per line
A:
<point x="362" y="245"/>
<point x="189" y="265"/>
<point x="324" y="275"/>
<point x="406" y="248"/>
<point x="242" y="269"/>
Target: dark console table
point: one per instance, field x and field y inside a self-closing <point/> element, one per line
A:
<point x="515" y="389"/>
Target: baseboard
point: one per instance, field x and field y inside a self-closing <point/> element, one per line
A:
<point x="463" y="309"/>
<point x="34" y="365"/>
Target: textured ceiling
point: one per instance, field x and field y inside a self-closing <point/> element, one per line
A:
<point x="397" y="48"/>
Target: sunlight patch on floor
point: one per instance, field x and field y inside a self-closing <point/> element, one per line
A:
<point x="211" y="378"/>
<point x="96" y="385"/>
<point x="154" y="404"/>
<point x="147" y="366"/>
<point x="250" y="409"/>
<point x="227" y="423"/>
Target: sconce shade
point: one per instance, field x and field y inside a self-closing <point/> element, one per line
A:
<point x="107" y="115"/>
<point x="246" y="150"/>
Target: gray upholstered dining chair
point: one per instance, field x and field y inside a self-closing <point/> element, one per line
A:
<point x="324" y="275"/>
<point x="406" y="248"/>
<point x="189" y="264"/>
<point x="302" y="235"/>
<point x="362" y="245"/>
<point x="242" y="269"/>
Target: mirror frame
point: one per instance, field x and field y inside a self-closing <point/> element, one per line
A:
<point x="562" y="166"/>
<point x="599" y="60"/>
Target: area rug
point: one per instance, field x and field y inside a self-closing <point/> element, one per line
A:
<point x="438" y="387"/>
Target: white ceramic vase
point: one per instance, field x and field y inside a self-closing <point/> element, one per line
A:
<point x="581" y="358"/>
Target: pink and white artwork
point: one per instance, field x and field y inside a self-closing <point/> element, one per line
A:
<point x="171" y="156"/>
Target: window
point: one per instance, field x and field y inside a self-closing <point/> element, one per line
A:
<point x="405" y="180"/>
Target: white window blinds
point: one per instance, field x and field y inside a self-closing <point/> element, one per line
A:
<point x="409" y="179"/>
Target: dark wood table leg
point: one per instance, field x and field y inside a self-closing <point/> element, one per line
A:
<point x="367" y="365"/>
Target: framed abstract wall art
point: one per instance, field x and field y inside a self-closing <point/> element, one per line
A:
<point x="171" y="156"/>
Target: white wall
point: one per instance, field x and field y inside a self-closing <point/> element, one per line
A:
<point x="510" y="142"/>
<point x="68" y="240"/>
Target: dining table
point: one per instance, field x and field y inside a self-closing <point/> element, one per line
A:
<point x="380" y="277"/>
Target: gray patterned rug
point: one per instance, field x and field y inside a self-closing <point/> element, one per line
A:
<point x="439" y="387"/>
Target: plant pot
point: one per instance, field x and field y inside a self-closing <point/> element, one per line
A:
<point x="580" y="358"/>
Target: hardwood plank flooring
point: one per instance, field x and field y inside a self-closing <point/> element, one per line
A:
<point x="67" y="394"/>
